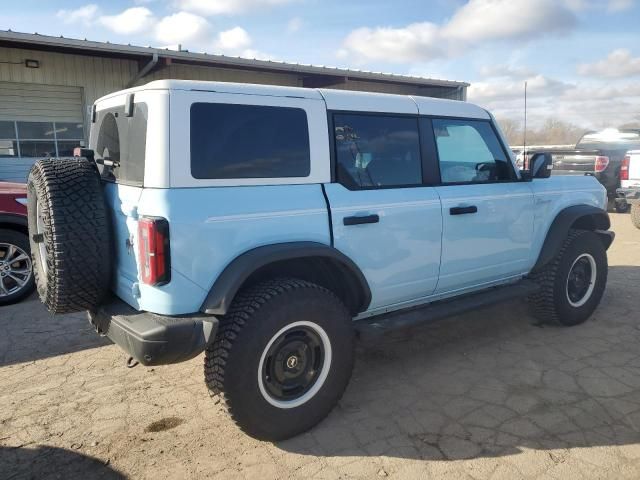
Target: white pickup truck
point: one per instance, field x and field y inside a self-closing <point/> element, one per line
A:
<point x="630" y="184"/>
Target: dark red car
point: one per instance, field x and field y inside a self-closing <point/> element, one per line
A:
<point x="16" y="275"/>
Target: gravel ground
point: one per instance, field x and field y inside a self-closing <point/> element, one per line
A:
<point x="483" y="395"/>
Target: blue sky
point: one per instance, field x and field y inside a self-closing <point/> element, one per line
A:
<point x="581" y="58"/>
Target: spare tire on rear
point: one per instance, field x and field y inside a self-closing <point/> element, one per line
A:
<point x="69" y="234"/>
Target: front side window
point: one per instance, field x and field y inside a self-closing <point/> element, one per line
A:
<point x="377" y="151"/>
<point x="248" y="141"/>
<point x="470" y="152"/>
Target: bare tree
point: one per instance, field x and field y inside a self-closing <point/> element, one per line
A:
<point x="552" y="132"/>
<point x="512" y="129"/>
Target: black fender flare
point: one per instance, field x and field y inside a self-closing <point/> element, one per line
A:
<point x="584" y="217"/>
<point x="233" y="276"/>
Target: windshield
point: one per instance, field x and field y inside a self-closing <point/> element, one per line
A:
<point x="610" y="139"/>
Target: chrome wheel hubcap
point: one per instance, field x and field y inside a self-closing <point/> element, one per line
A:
<point x="15" y="269"/>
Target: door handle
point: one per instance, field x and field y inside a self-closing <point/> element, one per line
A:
<point x="359" y="220"/>
<point x="463" y="210"/>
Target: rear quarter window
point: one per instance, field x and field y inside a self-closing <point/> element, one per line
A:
<point x="248" y="141"/>
<point x="122" y="139"/>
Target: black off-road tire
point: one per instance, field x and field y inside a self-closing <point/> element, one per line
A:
<point x="73" y="272"/>
<point x="635" y="215"/>
<point x="551" y="303"/>
<point x="257" y="315"/>
<point x="20" y="240"/>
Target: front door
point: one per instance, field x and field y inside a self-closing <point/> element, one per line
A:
<point x="487" y="212"/>
<point x="383" y="216"/>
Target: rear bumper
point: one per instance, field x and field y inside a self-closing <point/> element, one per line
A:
<point x="154" y="339"/>
<point x="631" y="195"/>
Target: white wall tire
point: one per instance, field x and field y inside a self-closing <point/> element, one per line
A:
<point x="254" y="341"/>
<point x="318" y="380"/>
<point x="553" y="303"/>
<point x="584" y="292"/>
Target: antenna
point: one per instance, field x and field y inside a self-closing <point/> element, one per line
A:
<point x="524" y="133"/>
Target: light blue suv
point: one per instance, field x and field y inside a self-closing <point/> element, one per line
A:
<point x="267" y="226"/>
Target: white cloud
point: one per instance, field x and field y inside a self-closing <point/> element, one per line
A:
<point x="619" y="63"/>
<point x="508" y="19"/>
<point x="217" y="7"/>
<point x="476" y="21"/>
<point x="256" y="54"/>
<point x="418" y="41"/>
<point x="132" y="20"/>
<point x="85" y="14"/>
<point x="294" y="24"/>
<point x="233" y="40"/>
<point x="497" y="71"/>
<point x="620" y="5"/>
<point x="183" y="27"/>
<point x="538" y="85"/>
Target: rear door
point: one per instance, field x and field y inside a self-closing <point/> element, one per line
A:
<point x="487" y="213"/>
<point x="384" y="217"/>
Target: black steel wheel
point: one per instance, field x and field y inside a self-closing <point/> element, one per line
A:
<point x="573" y="283"/>
<point x="282" y="357"/>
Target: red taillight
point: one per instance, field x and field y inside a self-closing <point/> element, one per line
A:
<point x="153" y="248"/>
<point x="624" y="168"/>
<point x="601" y="163"/>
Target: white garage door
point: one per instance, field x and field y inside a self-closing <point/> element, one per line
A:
<point x="37" y="121"/>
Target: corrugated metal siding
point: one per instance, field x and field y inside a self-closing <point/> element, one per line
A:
<point x="194" y="72"/>
<point x="33" y="102"/>
<point x="96" y="75"/>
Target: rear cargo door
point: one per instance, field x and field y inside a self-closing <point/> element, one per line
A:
<point x="121" y="140"/>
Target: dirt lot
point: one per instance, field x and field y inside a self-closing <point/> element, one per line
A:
<point x="484" y="395"/>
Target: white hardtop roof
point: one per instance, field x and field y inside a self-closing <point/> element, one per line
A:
<point x="335" y="99"/>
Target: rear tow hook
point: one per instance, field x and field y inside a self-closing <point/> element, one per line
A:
<point x="132" y="362"/>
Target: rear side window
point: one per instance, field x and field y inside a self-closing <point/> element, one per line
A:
<point x="470" y="152"/>
<point x="248" y="141"/>
<point x="377" y="151"/>
<point x="123" y="140"/>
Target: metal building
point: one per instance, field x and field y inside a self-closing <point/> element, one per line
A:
<point x="48" y="84"/>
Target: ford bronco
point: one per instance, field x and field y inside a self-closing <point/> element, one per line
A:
<point x="269" y="226"/>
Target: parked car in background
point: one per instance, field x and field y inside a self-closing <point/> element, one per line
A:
<point x="16" y="277"/>
<point x="630" y="184"/>
<point x="599" y="154"/>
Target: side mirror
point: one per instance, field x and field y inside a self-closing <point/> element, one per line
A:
<point x="540" y="165"/>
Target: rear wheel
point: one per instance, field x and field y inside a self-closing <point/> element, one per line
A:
<point x="16" y="275"/>
<point x="572" y="285"/>
<point x="635" y="214"/>
<point x="282" y="357"/>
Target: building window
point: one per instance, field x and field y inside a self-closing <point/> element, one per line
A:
<point x="39" y="139"/>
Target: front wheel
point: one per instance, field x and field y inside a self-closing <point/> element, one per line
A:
<point x="282" y="357"/>
<point x="572" y="285"/>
